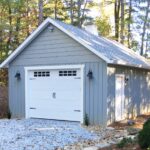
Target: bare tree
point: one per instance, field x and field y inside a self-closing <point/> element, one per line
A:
<point x="122" y="21"/>
<point x="129" y="23"/>
<point x="10" y="24"/>
<point x="40" y="4"/>
<point x="55" y="10"/>
<point x="117" y="19"/>
<point x="144" y="26"/>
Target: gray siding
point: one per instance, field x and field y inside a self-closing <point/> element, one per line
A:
<point x="56" y="48"/>
<point x="137" y="91"/>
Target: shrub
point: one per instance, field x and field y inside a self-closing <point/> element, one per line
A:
<point x="124" y="142"/>
<point x="86" y="120"/>
<point x="144" y="135"/>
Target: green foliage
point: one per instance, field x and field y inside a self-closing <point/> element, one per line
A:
<point x="144" y="135"/>
<point x="51" y="6"/>
<point x="148" y="148"/>
<point x="124" y="142"/>
<point x="86" y="120"/>
<point x="103" y="26"/>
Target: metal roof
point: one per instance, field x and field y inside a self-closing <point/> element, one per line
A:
<point x="110" y="51"/>
<point x="115" y="52"/>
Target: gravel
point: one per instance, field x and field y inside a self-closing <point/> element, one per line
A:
<point x="40" y="134"/>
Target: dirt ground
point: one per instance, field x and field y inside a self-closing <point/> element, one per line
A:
<point x="3" y="101"/>
<point x="128" y="147"/>
<point x="139" y="121"/>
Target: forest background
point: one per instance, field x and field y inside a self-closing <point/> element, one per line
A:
<point x="126" y="21"/>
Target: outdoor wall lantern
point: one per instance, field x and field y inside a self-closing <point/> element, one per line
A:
<point x="90" y="74"/>
<point x="51" y="28"/>
<point x="18" y="76"/>
<point x="126" y="79"/>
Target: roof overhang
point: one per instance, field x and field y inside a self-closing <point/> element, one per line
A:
<point x="28" y="40"/>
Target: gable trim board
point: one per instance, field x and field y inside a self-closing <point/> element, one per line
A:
<point x="36" y="33"/>
<point x="6" y="62"/>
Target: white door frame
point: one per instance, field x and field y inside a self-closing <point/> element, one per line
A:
<point x="122" y="107"/>
<point x="27" y="69"/>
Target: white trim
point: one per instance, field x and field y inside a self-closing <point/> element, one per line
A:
<point x="79" y="40"/>
<point x="22" y="46"/>
<point x="27" y="69"/>
<point x="37" y="31"/>
<point x="6" y="62"/>
<point x="123" y="76"/>
<point x="121" y="63"/>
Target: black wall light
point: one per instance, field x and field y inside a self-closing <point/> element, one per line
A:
<point x="126" y="79"/>
<point x="51" y="28"/>
<point x="90" y="74"/>
<point x="18" y="76"/>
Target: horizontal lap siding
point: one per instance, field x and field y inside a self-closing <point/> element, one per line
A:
<point x="56" y="48"/>
<point x="137" y="91"/>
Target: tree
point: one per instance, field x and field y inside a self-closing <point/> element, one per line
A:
<point x="77" y="11"/>
<point x="144" y="27"/>
<point x="117" y="18"/>
<point x="122" y="2"/>
<point x="40" y="4"/>
<point x="103" y="26"/>
<point x="55" y="9"/>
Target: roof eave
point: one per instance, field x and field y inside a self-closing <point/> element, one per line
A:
<point x="130" y="65"/>
<point x="5" y="63"/>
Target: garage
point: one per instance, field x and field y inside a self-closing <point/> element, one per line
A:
<point x="62" y="72"/>
<point x="54" y="93"/>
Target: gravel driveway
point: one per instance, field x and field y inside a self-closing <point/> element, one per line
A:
<point x="40" y="134"/>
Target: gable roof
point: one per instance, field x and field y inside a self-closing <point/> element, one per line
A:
<point x="110" y="51"/>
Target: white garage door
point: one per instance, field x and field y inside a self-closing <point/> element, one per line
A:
<point x="55" y="94"/>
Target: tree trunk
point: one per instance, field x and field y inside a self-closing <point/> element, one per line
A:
<point x="79" y="13"/>
<point x="71" y="11"/>
<point x="144" y="27"/>
<point x="1" y="34"/>
<point x="27" y="18"/>
<point x="83" y="14"/>
<point x="10" y="28"/>
<point x="17" y="31"/>
<point x="129" y="24"/>
<point x="117" y="20"/>
<point x="122" y="22"/>
<point x="40" y="3"/>
<point x="55" y="10"/>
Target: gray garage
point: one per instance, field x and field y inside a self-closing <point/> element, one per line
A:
<point x="64" y="73"/>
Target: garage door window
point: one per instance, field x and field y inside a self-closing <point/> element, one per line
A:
<point x="67" y="73"/>
<point x="41" y="74"/>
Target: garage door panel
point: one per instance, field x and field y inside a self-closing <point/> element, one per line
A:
<point x="72" y="105"/>
<point x="66" y="114"/>
<point x="56" y="96"/>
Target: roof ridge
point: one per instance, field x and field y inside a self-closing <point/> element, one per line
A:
<point x="119" y="45"/>
<point x="110" y="40"/>
<point x="108" y="50"/>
